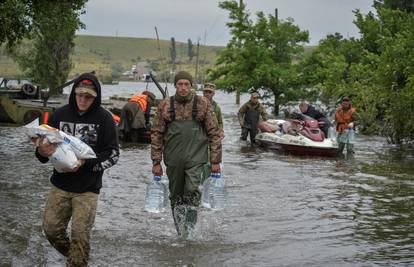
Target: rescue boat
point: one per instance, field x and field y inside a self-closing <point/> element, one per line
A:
<point x="300" y="137"/>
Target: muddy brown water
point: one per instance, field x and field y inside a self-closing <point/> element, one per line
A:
<point x="282" y="210"/>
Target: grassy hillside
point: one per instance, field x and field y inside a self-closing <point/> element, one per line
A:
<point x="100" y="53"/>
<point x="103" y="53"/>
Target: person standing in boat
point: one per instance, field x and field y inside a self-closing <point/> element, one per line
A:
<point x="184" y="126"/>
<point x="249" y="116"/>
<point x="346" y="119"/>
<point x="309" y="110"/>
<point x="209" y="92"/>
<point x="74" y="193"/>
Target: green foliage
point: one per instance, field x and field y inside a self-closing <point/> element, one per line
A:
<point x="403" y="5"/>
<point x="190" y="50"/>
<point x="260" y="55"/>
<point x="47" y="60"/>
<point x="377" y="70"/>
<point x="16" y="20"/>
<point x="116" y="70"/>
<point x="173" y="52"/>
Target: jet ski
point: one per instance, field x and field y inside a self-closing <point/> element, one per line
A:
<point x="300" y="137"/>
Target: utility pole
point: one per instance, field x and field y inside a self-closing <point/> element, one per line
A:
<point x="196" y="68"/>
<point x="203" y="72"/>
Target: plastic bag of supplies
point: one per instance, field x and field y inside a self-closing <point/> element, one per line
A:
<point x="69" y="148"/>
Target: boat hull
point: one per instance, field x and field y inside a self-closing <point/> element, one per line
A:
<point x="21" y="111"/>
<point x="298" y="145"/>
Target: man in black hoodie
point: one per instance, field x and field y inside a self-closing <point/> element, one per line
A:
<point x="74" y="193"/>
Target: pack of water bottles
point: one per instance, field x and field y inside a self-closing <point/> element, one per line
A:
<point x="156" y="197"/>
<point x="214" y="194"/>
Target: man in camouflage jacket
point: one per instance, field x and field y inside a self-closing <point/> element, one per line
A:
<point x="182" y="128"/>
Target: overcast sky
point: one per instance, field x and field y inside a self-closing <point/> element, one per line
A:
<point x="183" y="19"/>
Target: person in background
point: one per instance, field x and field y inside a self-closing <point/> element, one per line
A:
<point x="346" y="119"/>
<point x="136" y="115"/>
<point x="209" y="92"/>
<point x="184" y="126"/>
<point x="310" y="111"/>
<point x="249" y="116"/>
<point x="74" y="193"/>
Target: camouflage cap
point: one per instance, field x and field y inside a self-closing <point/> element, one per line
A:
<point x="209" y="87"/>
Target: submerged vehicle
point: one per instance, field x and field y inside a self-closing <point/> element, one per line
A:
<point x="300" y="137"/>
<point x="20" y="102"/>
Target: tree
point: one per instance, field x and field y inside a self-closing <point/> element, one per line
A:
<point x="173" y="52"/>
<point x="376" y="70"/>
<point x="190" y="51"/>
<point x="261" y="55"/>
<point x="402" y="5"/>
<point x="15" y="21"/>
<point x="48" y="61"/>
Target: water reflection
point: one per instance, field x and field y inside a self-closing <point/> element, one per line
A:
<point x="283" y="209"/>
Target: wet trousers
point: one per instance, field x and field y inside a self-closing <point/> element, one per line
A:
<point x="245" y="132"/>
<point x="349" y="148"/>
<point x="61" y="206"/>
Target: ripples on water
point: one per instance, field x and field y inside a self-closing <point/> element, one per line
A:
<point x="283" y="210"/>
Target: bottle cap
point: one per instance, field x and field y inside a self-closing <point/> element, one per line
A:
<point x="157" y="178"/>
<point x="216" y="175"/>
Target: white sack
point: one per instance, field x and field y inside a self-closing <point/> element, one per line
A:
<point x="69" y="149"/>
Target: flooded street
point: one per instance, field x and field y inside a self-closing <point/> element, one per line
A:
<point x="282" y="210"/>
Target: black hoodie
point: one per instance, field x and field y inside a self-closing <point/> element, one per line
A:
<point x="96" y="128"/>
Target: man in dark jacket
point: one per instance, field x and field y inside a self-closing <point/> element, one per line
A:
<point x="249" y="116"/>
<point x="74" y="193"/>
<point x="310" y="111"/>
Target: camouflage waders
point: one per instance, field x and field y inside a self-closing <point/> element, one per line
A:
<point x="185" y="153"/>
<point x="61" y="206"/>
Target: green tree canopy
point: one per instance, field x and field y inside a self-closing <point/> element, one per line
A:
<point x="376" y="70"/>
<point x="261" y="54"/>
<point x="46" y="58"/>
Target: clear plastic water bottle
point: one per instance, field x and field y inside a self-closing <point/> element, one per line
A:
<point x="331" y="132"/>
<point x="214" y="194"/>
<point x="351" y="136"/>
<point x="156" y="197"/>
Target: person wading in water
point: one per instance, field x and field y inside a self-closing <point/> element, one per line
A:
<point x="183" y="127"/>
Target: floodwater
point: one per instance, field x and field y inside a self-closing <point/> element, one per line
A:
<point x="282" y="210"/>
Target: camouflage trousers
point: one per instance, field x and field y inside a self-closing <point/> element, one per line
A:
<point x="61" y="206"/>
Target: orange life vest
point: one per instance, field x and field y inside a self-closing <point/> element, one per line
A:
<point x="342" y="118"/>
<point x="141" y="100"/>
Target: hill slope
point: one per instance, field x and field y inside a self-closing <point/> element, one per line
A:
<point x="101" y="53"/>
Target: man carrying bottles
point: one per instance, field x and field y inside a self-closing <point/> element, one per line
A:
<point x="182" y="128"/>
